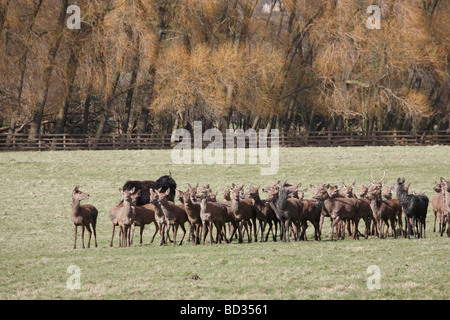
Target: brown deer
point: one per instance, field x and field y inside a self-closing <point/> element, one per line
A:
<point x="213" y="213"/>
<point x="84" y="216"/>
<point x="311" y="211"/>
<point x="159" y="215"/>
<point x="397" y="206"/>
<point x="437" y="202"/>
<point x="125" y="217"/>
<point x="365" y="210"/>
<point x="144" y="215"/>
<point x="192" y="209"/>
<point x="244" y="212"/>
<point x="339" y="209"/>
<point x="264" y="214"/>
<point x="383" y="212"/>
<point x="175" y="216"/>
<point x="445" y="186"/>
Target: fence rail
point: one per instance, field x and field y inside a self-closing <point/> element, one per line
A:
<point x="20" y="142"/>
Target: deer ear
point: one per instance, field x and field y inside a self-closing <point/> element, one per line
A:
<point x="76" y="188"/>
<point x="120" y="190"/>
<point x="167" y="192"/>
<point x="132" y="190"/>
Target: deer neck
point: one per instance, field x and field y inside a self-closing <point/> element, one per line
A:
<point x="234" y="205"/>
<point x="165" y="208"/>
<point x="128" y="211"/>
<point x="75" y="206"/>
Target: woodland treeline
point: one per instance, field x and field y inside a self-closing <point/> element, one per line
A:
<point x="138" y="66"/>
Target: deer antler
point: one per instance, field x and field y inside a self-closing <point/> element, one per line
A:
<point x="384" y="175"/>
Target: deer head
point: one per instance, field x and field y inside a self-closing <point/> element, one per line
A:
<point x="79" y="195"/>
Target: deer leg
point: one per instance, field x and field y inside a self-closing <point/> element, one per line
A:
<point x="112" y="236"/>
<point x="334" y="224"/>
<point x="184" y="233"/>
<point x="210" y="226"/>
<point x="175" y="230"/>
<point x="140" y="234"/>
<point x="94" y="228"/>
<point x="156" y="231"/>
<point x="132" y="232"/>
<point x="82" y="236"/>
<point x="90" y="234"/>
<point x="75" y="232"/>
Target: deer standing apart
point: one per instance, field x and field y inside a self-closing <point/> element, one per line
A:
<point x="84" y="216"/>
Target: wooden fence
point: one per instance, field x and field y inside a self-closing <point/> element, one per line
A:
<point x="20" y="142"/>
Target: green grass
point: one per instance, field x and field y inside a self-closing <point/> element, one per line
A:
<point x="36" y="235"/>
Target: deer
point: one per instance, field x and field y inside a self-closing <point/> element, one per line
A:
<point x="213" y="213"/>
<point x="243" y="211"/>
<point x="174" y="215"/>
<point x="287" y="210"/>
<point x="339" y="209"/>
<point x="414" y="207"/>
<point x="365" y="209"/>
<point x="159" y="215"/>
<point x="125" y="217"/>
<point x="383" y="212"/>
<point x="192" y="209"/>
<point x="311" y="211"/>
<point x="144" y="215"/>
<point x="445" y="186"/>
<point x="84" y="216"/>
<point x="397" y="206"/>
<point x="264" y="214"/>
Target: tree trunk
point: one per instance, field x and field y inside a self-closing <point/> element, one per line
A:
<point x="87" y="102"/>
<point x="45" y="84"/>
<point x="107" y="109"/>
<point x="70" y="74"/>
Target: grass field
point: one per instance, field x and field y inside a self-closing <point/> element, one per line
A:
<point x="36" y="234"/>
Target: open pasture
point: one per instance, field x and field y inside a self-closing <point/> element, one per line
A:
<point x="36" y="234"/>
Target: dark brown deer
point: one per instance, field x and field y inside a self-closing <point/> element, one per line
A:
<point x="311" y="211"/>
<point x="287" y="210"/>
<point x="339" y="209"/>
<point x="175" y="215"/>
<point x="84" y="216"/>
<point x="244" y="212"/>
<point x="264" y="214"/>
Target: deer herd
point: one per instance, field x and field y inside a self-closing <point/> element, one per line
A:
<point x="372" y="212"/>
